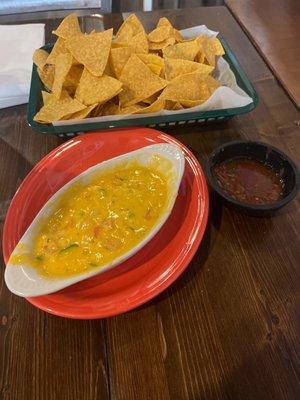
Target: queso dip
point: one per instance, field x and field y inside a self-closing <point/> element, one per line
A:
<point x="93" y="224"/>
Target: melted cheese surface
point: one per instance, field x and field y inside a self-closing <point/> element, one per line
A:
<point x="94" y="224"/>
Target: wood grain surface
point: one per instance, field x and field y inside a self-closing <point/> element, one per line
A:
<point x="273" y="26"/>
<point x="228" y="328"/>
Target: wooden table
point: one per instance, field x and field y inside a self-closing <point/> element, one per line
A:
<point x="273" y="26"/>
<point x="227" y="329"/>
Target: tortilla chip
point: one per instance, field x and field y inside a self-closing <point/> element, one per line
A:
<point x="152" y="59"/>
<point x="200" y="57"/>
<point x="178" y="36"/>
<point x="156" y="69"/>
<point x="154" y="62"/>
<point x="130" y="27"/>
<point x="40" y="58"/>
<point x="139" y="43"/>
<point x="125" y="36"/>
<point x="115" y="45"/>
<point x="172" y="105"/>
<point x="160" y="33"/>
<point x="81" y="114"/>
<point x="47" y="75"/>
<point x="58" y="48"/>
<point x="184" y="50"/>
<point x="118" y="58"/>
<point x="193" y="103"/>
<point x="174" y="32"/>
<point x="68" y="28"/>
<point x="161" y="45"/>
<point x="63" y="64"/>
<point x="130" y="109"/>
<point x="175" y="67"/>
<point x="199" y="39"/>
<point x="215" y="42"/>
<point x="55" y="109"/>
<point x="96" y="112"/>
<point x="139" y="82"/>
<point x="96" y="89"/>
<point x="163" y="21"/>
<point x="211" y="47"/>
<point x="91" y="50"/>
<point x="158" y="105"/>
<point x="134" y="73"/>
<point x="212" y="83"/>
<point x="151" y="99"/>
<point x="108" y="70"/>
<point x="208" y="87"/>
<point x="72" y="78"/>
<point x="46" y="96"/>
<point x="177" y="106"/>
<point x="110" y="108"/>
<point x="190" y="87"/>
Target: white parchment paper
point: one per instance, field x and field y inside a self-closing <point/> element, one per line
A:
<point x="229" y="95"/>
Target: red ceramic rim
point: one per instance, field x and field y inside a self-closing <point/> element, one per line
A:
<point x="153" y="268"/>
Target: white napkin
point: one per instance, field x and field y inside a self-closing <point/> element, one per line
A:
<point x="17" y="44"/>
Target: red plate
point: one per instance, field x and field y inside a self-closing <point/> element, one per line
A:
<point x="154" y="267"/>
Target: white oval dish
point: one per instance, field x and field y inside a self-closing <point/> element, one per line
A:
<point x="25" y="280"/>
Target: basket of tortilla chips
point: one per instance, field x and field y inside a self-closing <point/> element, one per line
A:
<point x="166" y="77"/>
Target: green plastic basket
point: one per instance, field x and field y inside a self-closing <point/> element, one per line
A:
<point x="190" y="117"/>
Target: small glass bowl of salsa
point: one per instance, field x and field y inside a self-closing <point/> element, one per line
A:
<point x="252" y="176"/>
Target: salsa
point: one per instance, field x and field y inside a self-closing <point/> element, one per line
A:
<point x="249" y="181"/>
